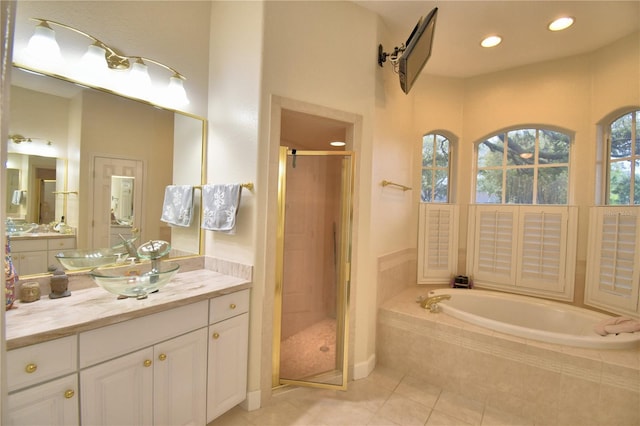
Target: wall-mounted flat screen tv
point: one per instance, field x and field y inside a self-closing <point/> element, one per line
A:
<point x="418" y="51"/>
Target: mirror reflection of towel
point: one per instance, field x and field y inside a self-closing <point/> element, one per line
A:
<point x="220" y="207"/>
<point x="16" y="199"/>
<point x="177" y="208"/>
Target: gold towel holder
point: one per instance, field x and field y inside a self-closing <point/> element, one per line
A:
<point x="389" y="183"/>
<point x="248" y="185"/>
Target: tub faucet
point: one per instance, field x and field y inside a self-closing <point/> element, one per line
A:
<point x="431" y="303"/>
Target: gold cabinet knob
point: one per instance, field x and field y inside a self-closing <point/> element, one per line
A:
<point x="147" y="363"/>
<point x="232" y="306"/>
<point x="162" y="357"/>
<point x="31" y="368"/>
<point x="69" y="393"/>
<point x="216" y="335"/>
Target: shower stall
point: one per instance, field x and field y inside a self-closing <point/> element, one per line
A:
<point x="313" y="268"/>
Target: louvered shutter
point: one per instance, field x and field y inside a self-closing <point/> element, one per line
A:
<point x="437" y="243"/>
<point x="495" y="244"/>
<point x="613" y="265"/>
<point x="543" y="247"/>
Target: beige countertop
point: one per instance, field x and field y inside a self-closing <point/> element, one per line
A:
<point x="87" y="309"/>
<point x="40" y="235"/>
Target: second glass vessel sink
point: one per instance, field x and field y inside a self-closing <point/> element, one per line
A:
<point x="135" y="280"/>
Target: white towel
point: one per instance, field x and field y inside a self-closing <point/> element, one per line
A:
<point x="177" y="208"/>
<point x="220" y="207"/>
<point x="17" y="197"/>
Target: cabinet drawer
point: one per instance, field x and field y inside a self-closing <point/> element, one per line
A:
<point x="61" y="243"/>
<point x="43" y="361"/>
<point x="117" y="339"/>
<point x="228" y="306"/>
<point x="28" y="245"/>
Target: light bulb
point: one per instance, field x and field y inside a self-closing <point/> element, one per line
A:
<point x="139" y="82"/>
<point x="561" y="23"/>
<point x="175" y="95"/>
<point x="43" y="51"/>
<point x="491" y="41"/>
<point x="92" y="67"/>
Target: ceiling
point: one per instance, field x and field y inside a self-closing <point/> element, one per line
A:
<point x="460" y="27"/>
<point x="522" y="25"/>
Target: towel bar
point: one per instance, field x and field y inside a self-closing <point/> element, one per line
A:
<point x="389" y="183"/>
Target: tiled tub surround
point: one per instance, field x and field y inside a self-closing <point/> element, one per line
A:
<point x="91" y="307"/>
<point x="547" y="383"/>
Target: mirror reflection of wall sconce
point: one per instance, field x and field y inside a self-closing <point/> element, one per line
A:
<point x="18" y="139"/>
<point x="102" y="66"/>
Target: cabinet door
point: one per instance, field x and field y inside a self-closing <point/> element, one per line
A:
<point x="31" y="262"/>
<point x="49" y="404"/>
<point x="180" y="384"/>
<point x="119" y="392"/>
<point x="227" y="378"/>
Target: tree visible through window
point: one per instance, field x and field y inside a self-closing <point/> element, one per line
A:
<point x="523" y="166"/>
<point x="624" y="160"/>
<point x="435" y="169"/>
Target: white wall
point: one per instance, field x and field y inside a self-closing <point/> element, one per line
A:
<point x="234" y="143"/>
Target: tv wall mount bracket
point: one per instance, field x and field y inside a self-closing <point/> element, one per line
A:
<point x="393" y="56"/>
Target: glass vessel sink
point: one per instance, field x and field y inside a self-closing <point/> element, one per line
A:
<point x="135" y="280"/>
<point x="86" y="259"/>
<point x="19" y="228"/>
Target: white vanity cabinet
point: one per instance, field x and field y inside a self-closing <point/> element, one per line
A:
<point x="33" y="255"/>
<point x="146" y="365"/>
<point x="162" y="385"/>
<point x="228" y="352"/>
<point x="162" y="382"/>
<point x="43" y="383"/>
<point x="29" y="256"/>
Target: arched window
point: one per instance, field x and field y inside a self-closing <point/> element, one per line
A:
<point x="623" y="180"/>
<point x="523" y="166"/>
<point x="436" y="160"/>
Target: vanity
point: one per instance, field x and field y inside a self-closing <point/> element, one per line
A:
<point x="176" y="357"/>
<point x="33" y="253"/>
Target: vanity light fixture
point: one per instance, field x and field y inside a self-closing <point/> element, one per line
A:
<point x="102" y="66"/>
<point x="561" y="23"/>
<point x="491" y="41"/>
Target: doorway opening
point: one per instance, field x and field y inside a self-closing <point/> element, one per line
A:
<point x="313" y="254"/>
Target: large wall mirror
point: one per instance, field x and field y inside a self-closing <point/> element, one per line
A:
<point x="101" y="161"/>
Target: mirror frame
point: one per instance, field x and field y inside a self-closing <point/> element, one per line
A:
<point x="203" y="153"/>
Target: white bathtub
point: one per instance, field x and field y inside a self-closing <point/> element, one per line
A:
<point x="532" y="318"/>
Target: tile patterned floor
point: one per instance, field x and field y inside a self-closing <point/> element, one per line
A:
<point x="385" y="398"/>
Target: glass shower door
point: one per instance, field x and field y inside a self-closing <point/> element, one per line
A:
<point x="310" y="347"/>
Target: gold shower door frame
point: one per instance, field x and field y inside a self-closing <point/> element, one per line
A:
<point x="343" y="271"/>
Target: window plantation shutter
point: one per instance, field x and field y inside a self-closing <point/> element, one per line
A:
<point x="523" y="249"/>
<point x="543" y="247"/>
<point x="495" y="244"/>
<point x="437" y="243"/>
<point x="613" y="273"/>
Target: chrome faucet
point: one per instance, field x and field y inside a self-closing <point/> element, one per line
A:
<point x="431" y="303"/>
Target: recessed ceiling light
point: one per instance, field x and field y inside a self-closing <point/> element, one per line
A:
<point x="337" y="143"/>
<point x="561" y="23"/>
<point x="491" y="41"/>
